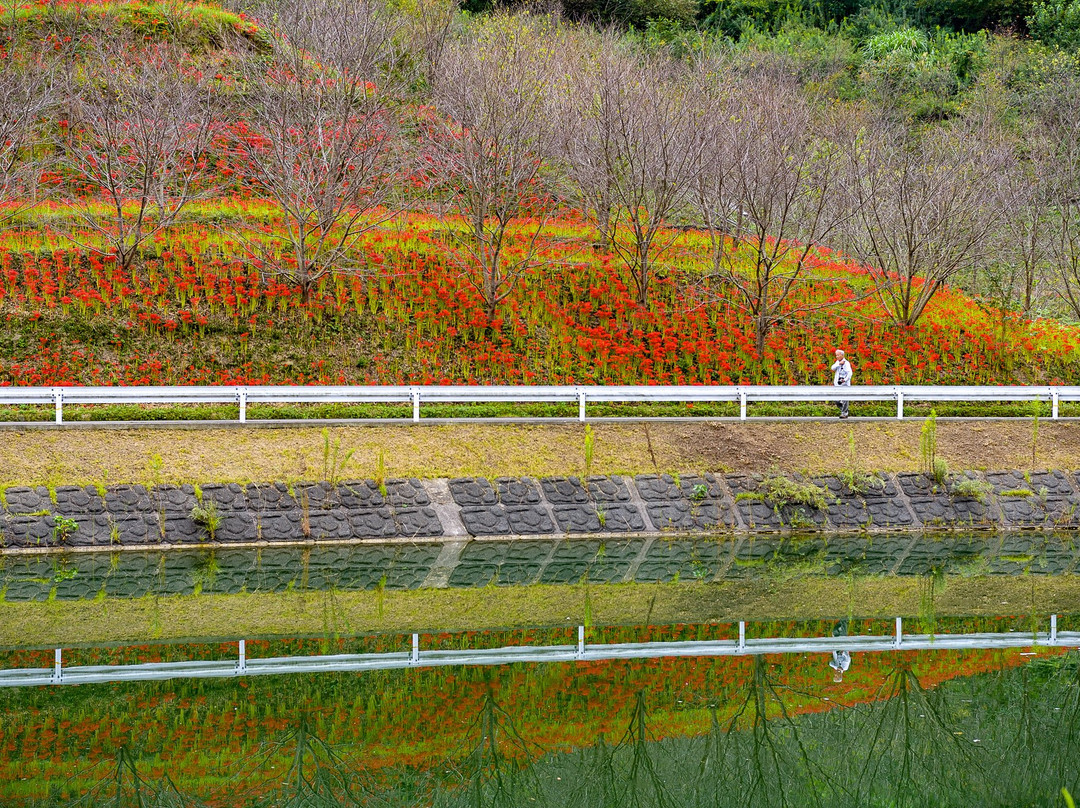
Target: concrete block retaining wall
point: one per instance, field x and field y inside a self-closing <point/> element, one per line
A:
<point x="646" y="505"/>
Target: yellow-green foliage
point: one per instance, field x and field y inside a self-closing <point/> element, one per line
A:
<point x="196" y="26"/>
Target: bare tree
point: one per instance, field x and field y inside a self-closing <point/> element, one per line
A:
<point x="487" y="149"/>
<point x="1060" y="176"/>
<point x="26" y="98"/>
<point x="320" y="137"/>
<point x="427" y="25"/>
<point x="633" y="156"/>
<point x="141" y="126"/>
<point x="764" y="192"/>
<point x="922" y="210"/>
<point x="585" y="141"/>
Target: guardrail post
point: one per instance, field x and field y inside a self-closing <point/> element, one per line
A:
<point x="900" y="405"/>
<point x="58" y="674"/>
<point x="241" y="662"/>
<point x="415" y="395"/>
<point x="581" y="642"/>
<point x="899" y="632"/>
<point x="1055" y="395"/>
<point x="58" y="398"/>
<point x="414" y="655"/>
<point x="242" y="396"/>
<point x="742" y="636"/>
<point x="1053" y="629"/>
<point x="742" y="405"/>
<point x="581" y="405"/>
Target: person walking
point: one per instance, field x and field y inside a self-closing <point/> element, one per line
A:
<point x="842" y="374"/>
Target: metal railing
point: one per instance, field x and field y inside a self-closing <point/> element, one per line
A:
<point x="582" y="652"/>
<point x="414" y="395"/>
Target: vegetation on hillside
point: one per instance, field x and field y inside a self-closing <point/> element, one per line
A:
<point x="396" y="191"/>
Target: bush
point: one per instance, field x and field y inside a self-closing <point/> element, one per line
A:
<point x="1057" y="22"/>
<point x="783" y="491"/>
<point x="968" y="488"/>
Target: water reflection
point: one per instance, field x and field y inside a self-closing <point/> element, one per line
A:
<point x="841" y="658"/>
<point x="902" y="728"/>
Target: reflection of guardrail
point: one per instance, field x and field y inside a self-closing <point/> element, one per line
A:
<point x="580" y="395"/>
<point x="582" y="652"/>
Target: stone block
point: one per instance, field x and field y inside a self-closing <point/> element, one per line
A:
<point x="328" y="525"/>
<point x="226" y="497"/>
<point x="528" y="520"/>
<point x="607" y="489"/>
<point x="372" y="523"/>
<point x="94" y="530"/>
<point x="473" y="492"/>
<point x="407" y="493"/>
<point x="75" y="500"/>
<point x="270" y="497"/>
<point x="658" y="488"/>
<point x="413" y="522"/>
<point x="886" y="513"/>
<point x="1052" y="484"/>
<point x="579" y="518"/>
<point x="128" y="499"/>
<point x="174" y="500"/>
<point x="518" y="491"/>
<point x="485" y="520"/>
<point x="237" y="526"/>
<point x="691" y="487"/>
<point x="21" y="500"/>
<point x="281" y="525"/>
<point x="671" y="515"/>
<point x="30" y="531"/>
<point x="180" y="529"/>
<point x="565" y="491"/>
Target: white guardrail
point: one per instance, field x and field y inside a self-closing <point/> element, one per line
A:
<point x="241" y="665"/>
<point x="479" y="394"/>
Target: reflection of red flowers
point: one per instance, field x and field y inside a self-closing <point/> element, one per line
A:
<point x="203" y="732"/>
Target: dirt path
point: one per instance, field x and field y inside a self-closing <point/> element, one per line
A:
<point x="491" y="450"/>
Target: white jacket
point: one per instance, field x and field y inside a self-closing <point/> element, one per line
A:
<point x="842" y="373"/>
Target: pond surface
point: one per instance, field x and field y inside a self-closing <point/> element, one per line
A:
<point x="403" y="565"/>
<point x="997" y="727"/>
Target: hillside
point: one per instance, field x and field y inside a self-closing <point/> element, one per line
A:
<point x="182" y="258"/>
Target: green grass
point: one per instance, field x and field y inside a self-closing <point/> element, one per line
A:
<point x="195" y="26"/>
<point x="230" y="412"/>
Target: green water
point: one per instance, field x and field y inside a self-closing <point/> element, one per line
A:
<point x="963" y="728"/>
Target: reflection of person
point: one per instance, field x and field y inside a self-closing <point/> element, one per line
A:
<point x="842" y="374"/>
<point x="841" y="660"/>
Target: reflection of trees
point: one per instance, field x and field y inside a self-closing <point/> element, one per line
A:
<point x="1043" y="702"/>
<point x="908" y="743"/>
<point x="127" y="787"/>
<point x="910" y="746"/>
<point x="495" y="772"/>
<point x="761" y="761"/>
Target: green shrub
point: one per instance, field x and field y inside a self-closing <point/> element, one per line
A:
<point x="968" y="488"/>
<point x="781" y="491"/>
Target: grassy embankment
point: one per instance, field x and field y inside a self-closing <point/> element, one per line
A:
<point x="151" y="456"/>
